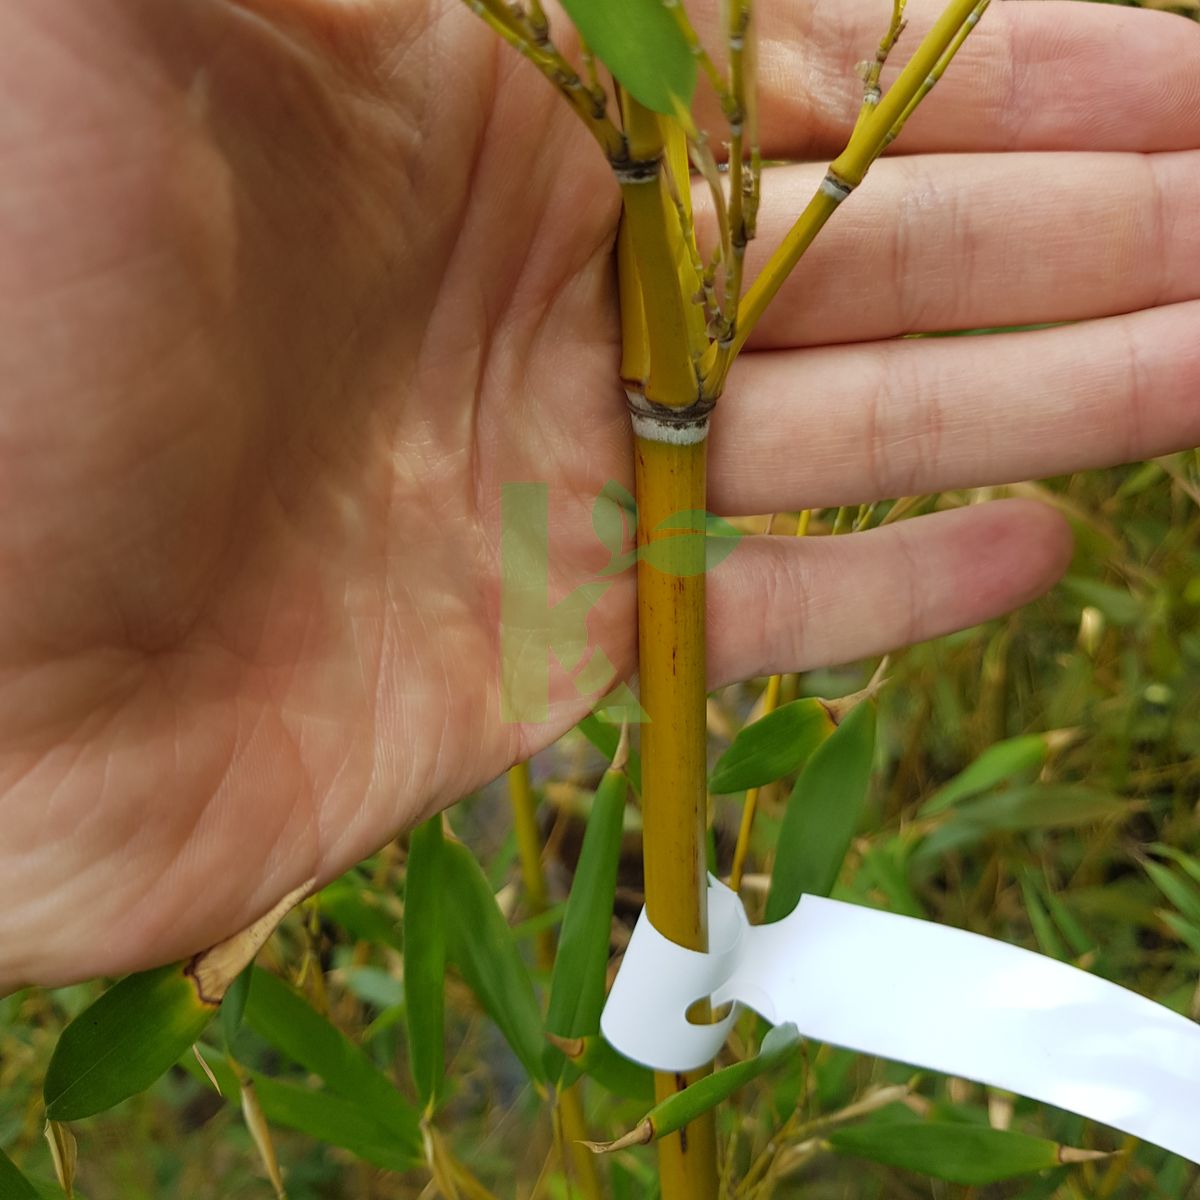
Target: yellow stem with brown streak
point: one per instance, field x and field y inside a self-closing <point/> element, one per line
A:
<point x="671" y="479"/>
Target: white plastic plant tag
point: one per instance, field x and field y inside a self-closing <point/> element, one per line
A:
<point x="919" y="993"/>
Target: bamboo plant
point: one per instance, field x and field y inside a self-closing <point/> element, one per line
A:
<point x="685" y="316"/>
<point x="684" y="319"/>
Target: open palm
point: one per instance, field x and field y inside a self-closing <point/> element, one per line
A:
<point x="290" y="288"/>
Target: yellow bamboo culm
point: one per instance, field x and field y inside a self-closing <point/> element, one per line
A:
<point x="671" y="479"/>
<point x="662" y="347"/>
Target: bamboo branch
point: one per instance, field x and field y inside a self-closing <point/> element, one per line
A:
<point x="938" y="71"/>
<point x="739" y="18"/>
<point x="706" y="64"/>
<point x="587" y="104"/>
<point x="655" y="237"/>
<point x="871" y="90"/>
<point x="845" y="173"/>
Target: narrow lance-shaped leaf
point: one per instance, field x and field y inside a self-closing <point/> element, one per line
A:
<point x="480" y="944"/>
<point x="641" y="44"/>
<point x="822" y="813"/>
<point x="1017" y="758"/>
<point x="1032" y="806"/>
<point x="278" y="1013"/>
<point x="320" y="1114"/>
<point x="594" y="1057"/>
<point x="681" y="1108"/>
<point x="1180" y="893"/>
<point x="773" y="746"/>
<point x="1048" y="940"/>
<point x="14" y="1185"/>
<point x="1189" y="864"/>
<point x="972" y="1155"/>
<point x="122" y="1043"/>
<point x="233" y="1007"/>
<point x="425" y="960"/>
<point x="350" y="903"/>
<point x="580" y="967"/>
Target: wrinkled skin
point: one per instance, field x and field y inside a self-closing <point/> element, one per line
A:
<point x="288" y="288"/>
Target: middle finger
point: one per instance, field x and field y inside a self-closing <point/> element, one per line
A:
<point x="944" y="242"/>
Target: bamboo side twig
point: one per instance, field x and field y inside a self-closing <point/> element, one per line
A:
<point x="845" y="173"/>
<point x="586" y="103"/>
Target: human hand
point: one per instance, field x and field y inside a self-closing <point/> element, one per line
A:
<point x="289" y="288"/>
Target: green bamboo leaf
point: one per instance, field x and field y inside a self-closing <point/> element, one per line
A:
<point x="773" y="746"/>
<point x="1043" y="806"/>
<point x="1184" y="930"/>
<point x="280" y="1015"/>
<point x="480" y="944"/>
<point x="594" y="1057"/>
<point x="972" y="1155"/>
<point x="14" y="1185"/>
<point x="1019" y="810"/>
<point x="681" y="1108"/>
<point x="613" y="1071"/>
<point x="375" y="986"/>
<point x="1180" y="893"/>
<point x="885" y="864"/>
<point x="1020" y="757"/>
<point x="425" y="960"/>
<point x="338" y="1121"/>
<point x="233" y="1007"/>
<point x="1118" y="605"/>
<point x="350" y="903"/>
<point x="641" y="44"/>
<point x="1043" y="928"/>
<point x="822" y="813"/>
<point x="580" y="967"/>
<point x="123" y="1042"/>
<point x="1070" y="928"/>
<point x="321" y="1114"/>
<point x="1189" y="864"/>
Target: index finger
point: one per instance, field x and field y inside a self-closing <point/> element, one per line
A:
<point x="1033" y="75"/>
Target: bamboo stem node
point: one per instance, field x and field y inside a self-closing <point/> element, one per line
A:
<point x="676" y="426"/>
<point x="637" y="170"/>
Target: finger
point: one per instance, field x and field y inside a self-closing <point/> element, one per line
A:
<point x="814" y="428"/>
<point x="982" y="240"/>
<point x="1035" y="76"/>
<point x="787" y="604"/>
